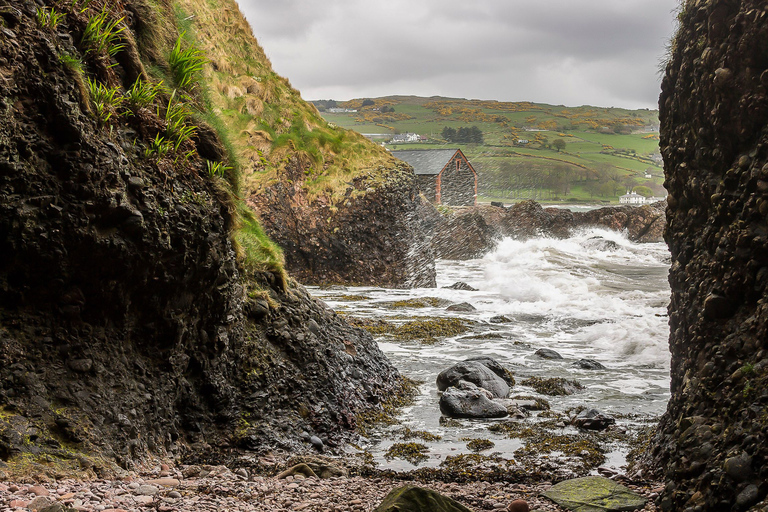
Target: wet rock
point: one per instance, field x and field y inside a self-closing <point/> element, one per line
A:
<point x="470" y="402"/>
<point x="298" y="469"/>
<point x="464" y="235"/>
<point x="317" y="443"/>
<point x="476" y="373"/>
<point x="461" y="285"/>
<point x="464" y="307"/>
<point x="410" y="498"/>
<point x="594" y="493"/>
<point x="598" y="243"/>
<point x="495" y="367"/>
<point x="716" y="306"/>
<point x="748" y="496"/>
<point x="739" y="468"/>
<point x="592" y="419"/>
<point x="546" y="353"/>
<point x="500" y="319"/>
<point x="589" y="364"/>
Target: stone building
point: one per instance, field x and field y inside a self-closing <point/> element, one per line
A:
<point x="445" y="176"/>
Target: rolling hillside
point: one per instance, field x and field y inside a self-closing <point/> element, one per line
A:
<point x="580" y="153"/>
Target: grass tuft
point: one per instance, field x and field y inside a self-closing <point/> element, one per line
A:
<point x="142" y="94"/>
<point x="105" y="100"/>
<point x="102" y="35"/>
<point x="49" y="18"/>
<point x="186" y="64"/>
<point x="258" y="252"/>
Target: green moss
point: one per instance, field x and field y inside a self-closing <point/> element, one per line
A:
<point x="386" y="415"/>
<point x="352" y="298"/>
<point x="407" y="434"/>
<point x="415" y="453"/>
<point x="420" y="302"/>
<point x="427" y="330"/>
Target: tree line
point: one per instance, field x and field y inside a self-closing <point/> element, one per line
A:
<point x="463" y="135"/>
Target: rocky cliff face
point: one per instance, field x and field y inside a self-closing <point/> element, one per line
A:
<point x="129" y="325"/>
<point x="711" y="443"/>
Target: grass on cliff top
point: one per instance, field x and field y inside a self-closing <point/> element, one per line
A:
<point x="269" y="124"/>
<point x="175" y="43"/>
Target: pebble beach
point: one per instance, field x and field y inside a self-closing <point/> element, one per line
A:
<point x="168" y="489"/>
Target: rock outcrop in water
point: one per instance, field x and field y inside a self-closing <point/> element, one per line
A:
<point x="481" y="227"/>
<point x="129" y="326"/>
<point x="376" y="238"/>
<point x="712" y="443"/>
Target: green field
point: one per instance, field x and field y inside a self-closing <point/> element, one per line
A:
<point x="606" y="151"/>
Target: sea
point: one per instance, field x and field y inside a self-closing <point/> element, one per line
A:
<point x="596" y="295"/>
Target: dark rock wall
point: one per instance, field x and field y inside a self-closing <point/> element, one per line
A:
<point x="127" y="326"/>
<point x="711" y="444"/>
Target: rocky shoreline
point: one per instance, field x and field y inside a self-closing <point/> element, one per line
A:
<point x="481" y="227"/>
<point x="201" y="488"/>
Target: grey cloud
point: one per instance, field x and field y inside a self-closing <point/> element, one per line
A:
<point x="603" y="52"/>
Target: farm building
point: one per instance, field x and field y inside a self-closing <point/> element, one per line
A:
<point x="445" y="176"/>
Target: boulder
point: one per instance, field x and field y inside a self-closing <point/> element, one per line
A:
<point x="410" y="498"/>
<point x="589" y="364"/>
<point x="476" y="373"/>
<point x="598" y="243"/>
<point x="495" y="367"/>
<point x="461" y="285"/>
<point x="546" y="353"/>
<point x="464" y="307"/>
<point x="594" y="494"/>
<point x="500" y="319"/>
<point x="469" y="401"/>
<point x="592" y="419"/>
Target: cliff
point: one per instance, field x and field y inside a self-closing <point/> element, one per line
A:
<point x="341" y="208"/>
<point x="142" y="310"/>
<point x="711" y="444"/>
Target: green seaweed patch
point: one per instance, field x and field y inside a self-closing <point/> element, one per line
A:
<point x="386" y="415"/>
<point x="556" y="386"/>
<point x="419" y="302"/>
<point x="539" y="442"/>
<point x="351" y="298"/>
<point x="471" y="467"/>
<point x="408" y="434"/>
<point x="426" y="330"/>
<point x="587" y="449"/>
<point x="415" y="453"/>
<point x="479" y="445"/>
<point x="450" y="422"/>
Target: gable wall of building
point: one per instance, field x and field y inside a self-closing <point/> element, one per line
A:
<point x="458" y="183"/>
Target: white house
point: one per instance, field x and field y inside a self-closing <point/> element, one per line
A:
<point x="632" y="198"/>
<point x="405" y="137"/>
<point x="635" y="198"/>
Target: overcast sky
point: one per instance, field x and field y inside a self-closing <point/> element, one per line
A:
<point x="570" y="52"/>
